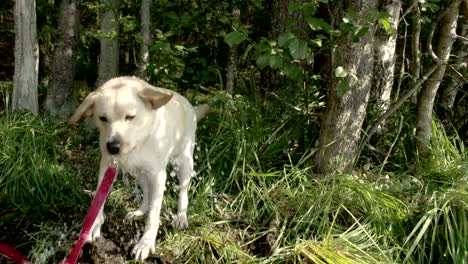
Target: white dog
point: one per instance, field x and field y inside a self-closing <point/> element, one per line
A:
<point x="142" y="127"/>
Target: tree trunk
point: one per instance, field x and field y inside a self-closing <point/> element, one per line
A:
<point x="109" y="58"/>
<point x="384" y="58"/>
<point x="455" y="81"/>
<point x="279" y="24"/>
<point x="60" y="92"/>
<point x="447" y="34"/>
<point x="26" y="57"/>
<point x="345" y="112"/>
<point x="415" y="43"/>
<point x="279" y="21"/>
<point x="145" y="13"/>
<point x="233" y="56"/>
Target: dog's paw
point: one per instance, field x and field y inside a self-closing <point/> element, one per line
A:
<point x="180" y="222"/>
<point x="95" y="232"/>
<point x="135" y="215"/>
<point x="143" y="248"/>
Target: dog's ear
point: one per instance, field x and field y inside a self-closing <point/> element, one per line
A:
<point x="154" y="99"/>
<point x="83" y="111"/>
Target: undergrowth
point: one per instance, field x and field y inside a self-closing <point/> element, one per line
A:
<point x="254" y="199"/>
<point x="33" y="168"/>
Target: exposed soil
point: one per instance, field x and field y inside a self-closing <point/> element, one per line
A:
<point x="116" y="244"/>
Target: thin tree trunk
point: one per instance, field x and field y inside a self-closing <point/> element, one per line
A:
<point x="233" y="57"/>
<point x="26" y="57"/>
<point x="279" y="21"/>
<point x="342" y="121"/>
<point x="384" y="58"/>
<point x="145" y="13"/>
<point x="109" y="58"/>
<point x="415" y="43"/>
<point x="60" y="97"/>
<point x="279" y="24"/>
<point x="447" y="34"/>
<point x="455" y="81"/>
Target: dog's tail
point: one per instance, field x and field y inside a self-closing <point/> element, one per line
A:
<point x="202" y="110"/>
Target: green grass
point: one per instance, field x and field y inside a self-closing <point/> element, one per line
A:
<point x="34" y="177"/>
<point x="254" y="199"/>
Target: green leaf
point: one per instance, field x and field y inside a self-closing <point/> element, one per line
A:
<point x="285" y="38"/>
<point x="247" y="51"/>
<point x="309" y="8"/>
<point x="263" y="61"/>
<point x="298" y="49"/>
<point x="309" y="57"/>
<point x="275" y="61"/>
<point x="317" y="42"/>
<point x="293" y="71"/>
<point x="129" y="26"/>
<point x="340" y="72"/>
<point x="432" y="7"/>
<point x="342" y="87"/>
<point x="318" y="24"/>
<point x="292" y="7"/>
<point x="113" y="35"/>
<point x="360" y="33"/>
<point x="224" y="20"/>
<point x="235" y="38"/>
<point x="386" y="25"/>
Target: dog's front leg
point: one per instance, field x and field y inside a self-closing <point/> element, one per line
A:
<point x="95" y="231"/>
<point x="156" y="186"/>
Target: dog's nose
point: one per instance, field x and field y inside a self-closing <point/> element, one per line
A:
<point x="113" y="147"/>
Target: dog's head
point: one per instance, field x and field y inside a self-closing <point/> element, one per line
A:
<point x="122" y="109"/>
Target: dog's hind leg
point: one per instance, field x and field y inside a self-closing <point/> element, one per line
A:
<point x="185" y="162"/>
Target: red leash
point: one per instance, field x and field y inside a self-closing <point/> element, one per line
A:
<point x="93" y="211"/>
<point x="11" y="253"/>
<point x="98" y="200"/>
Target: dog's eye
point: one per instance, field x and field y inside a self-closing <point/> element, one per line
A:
<point x="129" y="117"/>
<point x="103" y="118"/>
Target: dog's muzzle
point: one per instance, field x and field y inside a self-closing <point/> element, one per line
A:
<point x="113" y="146"/>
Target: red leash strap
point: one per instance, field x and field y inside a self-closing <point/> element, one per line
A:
<point x="11" y="253"/>
<point x="93" y="211"/>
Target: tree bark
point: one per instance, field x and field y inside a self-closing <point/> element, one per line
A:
<point x="279" y="24"/>
<point x="455" y="81"/>
<point x="233" y="56"/>
<point x="447" y="34"/>
<point x="345" y="112"/>
<point x="109" y="58"/>
<point x="415" y="43"/>
<point x="26" y="57"/>
<point x="60" y="97"/>
<point x="384" y="58"/>
<point x="145" y="17"/>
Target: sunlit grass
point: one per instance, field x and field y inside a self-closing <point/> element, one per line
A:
<point x="33" y="176"/>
